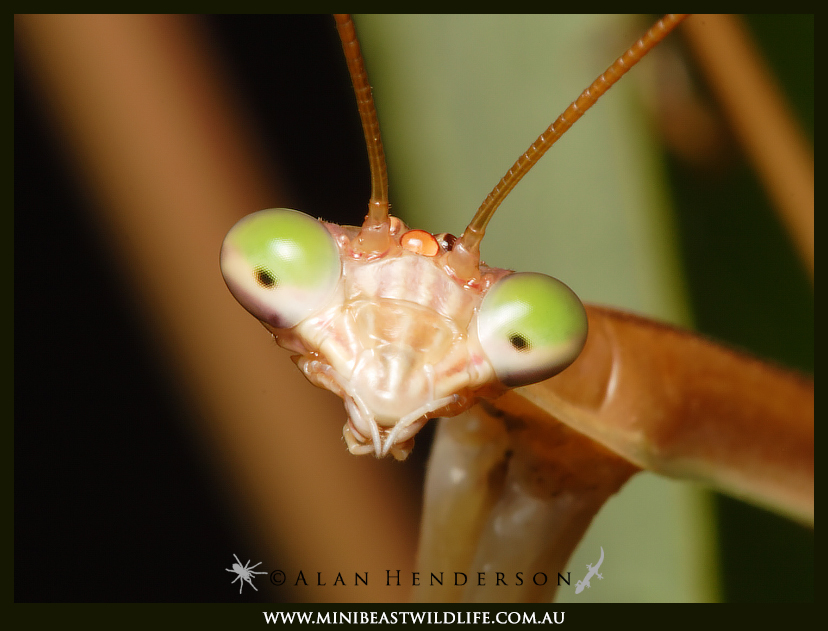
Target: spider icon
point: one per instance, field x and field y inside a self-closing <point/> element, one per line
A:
<point x="244" y="573"/>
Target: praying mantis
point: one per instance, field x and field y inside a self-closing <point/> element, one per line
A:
<point x="158" y="212"/>
<point x="375" y="440"/>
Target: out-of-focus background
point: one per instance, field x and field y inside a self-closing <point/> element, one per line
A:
<point x="156" y="433"/>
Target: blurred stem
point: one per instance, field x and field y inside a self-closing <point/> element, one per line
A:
<point x="160" y="141"/>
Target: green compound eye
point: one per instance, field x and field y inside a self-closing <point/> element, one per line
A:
<point x="281" y="265"/>
<point x="531" y="326"/>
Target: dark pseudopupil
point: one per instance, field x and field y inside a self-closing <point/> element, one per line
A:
<point x="264" y="278"/>
<point x="519" y="342"/>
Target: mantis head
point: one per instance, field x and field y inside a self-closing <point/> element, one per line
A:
<point x="398" y="335"/>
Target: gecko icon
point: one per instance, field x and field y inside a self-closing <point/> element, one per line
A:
<point x="593" y="571"/>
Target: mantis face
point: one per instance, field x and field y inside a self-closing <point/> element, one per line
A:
<point x="397" y="335"/>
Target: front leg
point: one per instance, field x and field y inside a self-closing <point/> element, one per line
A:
<point x="511" y="495"/>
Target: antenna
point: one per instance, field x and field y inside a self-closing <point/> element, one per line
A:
<point x="374" y="238"/>
<point x="464" y="259"/>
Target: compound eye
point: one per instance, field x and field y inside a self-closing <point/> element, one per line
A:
<point x="531" y="326"/>
<point x="281" y="265"/>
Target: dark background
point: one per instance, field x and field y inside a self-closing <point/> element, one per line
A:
<point x="102" y="450"/>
